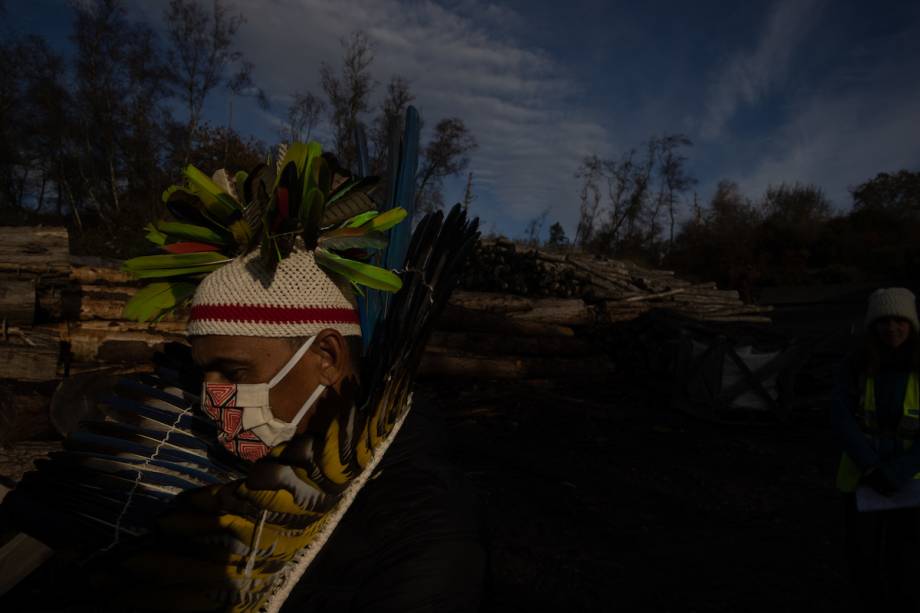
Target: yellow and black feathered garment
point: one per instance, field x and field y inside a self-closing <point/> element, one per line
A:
<point x="161" y="517"/>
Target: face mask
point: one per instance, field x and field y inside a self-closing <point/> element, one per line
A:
<point x="248" y="428"/>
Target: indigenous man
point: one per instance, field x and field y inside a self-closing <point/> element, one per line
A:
<point x="410" y="542"/>
<point x="241" y="505"/>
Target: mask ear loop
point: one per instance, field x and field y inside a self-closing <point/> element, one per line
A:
<point x="286" y="369"/>
<point x="309" y="403"/>
<point x="291" y="363"/>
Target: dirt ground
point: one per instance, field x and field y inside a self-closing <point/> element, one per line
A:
<point x="600" y="498"/>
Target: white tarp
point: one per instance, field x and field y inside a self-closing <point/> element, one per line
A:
<point x="732" y="374"/>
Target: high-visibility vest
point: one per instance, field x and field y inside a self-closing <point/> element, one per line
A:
<point x="848" y="473"/>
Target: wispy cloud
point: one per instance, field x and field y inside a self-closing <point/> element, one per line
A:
<point x="803" y="98"/>
<point x="838" y="140"/>
<point x="857" y="118"/>
<point x="750" y="75"/>
<point x="461" y="61"/>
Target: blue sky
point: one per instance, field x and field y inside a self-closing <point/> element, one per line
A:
<point x="797" y="90"/>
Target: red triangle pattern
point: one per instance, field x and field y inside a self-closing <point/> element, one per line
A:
<point x="220" y="405"/>
<point x="253" y="451"/>
<point x="222" y="394"/>
<point x="231" y="421"/>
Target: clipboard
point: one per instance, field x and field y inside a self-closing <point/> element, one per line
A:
<point x="868" y="500"/>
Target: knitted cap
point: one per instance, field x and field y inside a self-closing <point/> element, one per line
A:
<point x="244" y="299"/>
<point x="892" y="302"/>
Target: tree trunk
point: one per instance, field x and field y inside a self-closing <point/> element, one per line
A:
<point x="22" y="362"/>
<point x="464" y="320"/>
<point x="443" y="365"/>
<point x="17" y="300"/>
<point x="499" y="344"/>
<point x="490" y="301"/>
<point x="34" y="249"/>
<point x="114" y="186"/>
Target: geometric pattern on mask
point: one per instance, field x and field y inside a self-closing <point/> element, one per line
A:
<point x="219" y="404"/>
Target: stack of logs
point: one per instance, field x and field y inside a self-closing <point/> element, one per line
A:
<point x="533" y="319"/>
<point x="599" y="290"/>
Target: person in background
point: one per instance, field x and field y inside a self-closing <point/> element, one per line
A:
<point x="876" y="416"/>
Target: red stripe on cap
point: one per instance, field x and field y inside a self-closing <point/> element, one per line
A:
<point x="273" y="314"/>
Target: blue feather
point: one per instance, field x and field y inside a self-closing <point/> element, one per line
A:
<point x="364" y="164"/>
<point x="402" y="166"/>
<point x="405" y="192"/>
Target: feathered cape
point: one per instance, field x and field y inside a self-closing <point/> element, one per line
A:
<point x="167" y="521"/>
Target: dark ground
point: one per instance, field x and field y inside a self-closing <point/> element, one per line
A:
<point x="597" y="499"/>
<point x="601" y="497"/>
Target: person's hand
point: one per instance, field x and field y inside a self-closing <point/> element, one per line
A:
<point x="881" y="480"/>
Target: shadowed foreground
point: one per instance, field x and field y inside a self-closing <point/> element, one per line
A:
<point x="598" y="499"/>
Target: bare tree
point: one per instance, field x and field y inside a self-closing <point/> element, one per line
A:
<point x="639" y="211"/>
<point x="201" y="54"/>
<point x="348" y="94"/>
<point x="446" y="154"/>
<point x="590" y="172"/>
<point x="534" y="229"/>
<point x="619" y="175"/>
<point x="303" y="115"/>
<point x="674" y="178"/>
<point x="468" y="196"/>
<point x="638" y="189"/>
<point x="34" y="110"/>
<point x="390" y="119"/>
<point x="119" y="88"/>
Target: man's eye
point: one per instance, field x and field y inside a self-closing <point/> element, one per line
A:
<point x="236" y="375"/>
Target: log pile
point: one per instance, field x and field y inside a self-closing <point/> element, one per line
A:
<point x="522" y="313"/>
<point x="579" y="289"/>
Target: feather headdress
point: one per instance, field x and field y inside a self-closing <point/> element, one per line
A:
<point x="269" y="209"/>
<point x="171" y="520"/>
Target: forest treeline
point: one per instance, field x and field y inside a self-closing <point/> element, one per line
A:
<point x="642" y="206"/>
<point x="91" y="137"/>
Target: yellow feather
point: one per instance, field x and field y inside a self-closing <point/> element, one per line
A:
<point x="331" y="462"/>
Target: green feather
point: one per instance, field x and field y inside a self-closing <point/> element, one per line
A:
<point x="297" y="154"/>
<point x="360" y="220"/>
<point x="239" y="179"/>
<point x="366" y="240"/>
<point x="174" y="260"/>
<point x="215" y="200"/>
<point x="387" y="220"/>
<point x="155" y="236"/>
<point x="177" y="229"/>
<point x="314" y="152"/>
<point x="156" y="300"/>
<point x="312" y="198"/>
<point x="311" y="209"/>
<point x="154" y="273"/>
<point x="358" y="272"/>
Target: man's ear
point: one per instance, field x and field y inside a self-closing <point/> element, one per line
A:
<point x="335" y="362"/>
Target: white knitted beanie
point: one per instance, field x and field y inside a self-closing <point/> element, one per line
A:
<point x="893" y="302"/>
<point x="300" y="299"/>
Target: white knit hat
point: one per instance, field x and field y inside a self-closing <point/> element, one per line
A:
<point x="893" y="302"/>
<point x="244" y="299"/>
